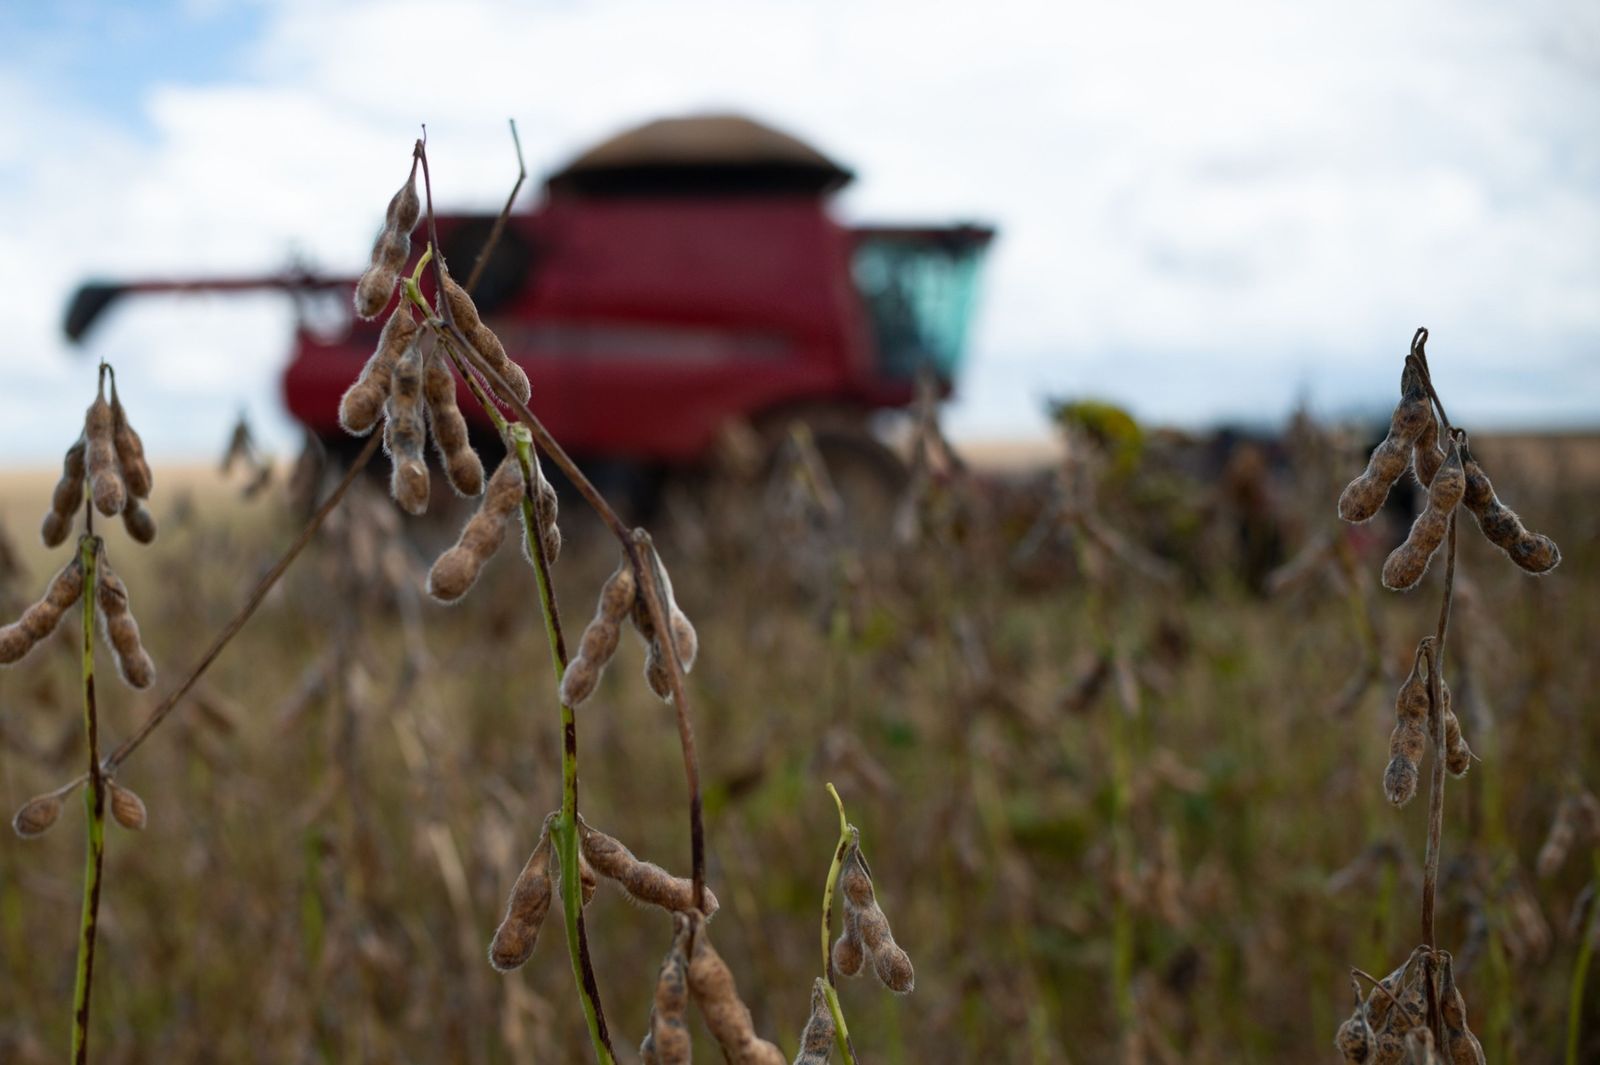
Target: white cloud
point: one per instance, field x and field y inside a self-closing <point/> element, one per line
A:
<point x="1203" y="209"/>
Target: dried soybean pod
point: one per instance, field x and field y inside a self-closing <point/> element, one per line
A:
<point x="580" y="678"/>
<point x="1426" y="454"/>
<point x="711" y="982"/>
<point x="588" y="879"/>
<point x="1411" y="701"/>
<point x="599" y="641"/>
<point x="1353" y="1040"/>
<point x="105" y="483"/>
<point x="1400" y="778"/>
<point x="390" y="251"/>
<point x="14" y="643"/>
<point x="1461" y="1047"/>
<point x="1457" y="755"/>
<point x="483" y="339"/>
<point x="41" y="619"/>
<point x="669" y="1014"/>
<point x="619" y="593"/>
<point x="684" y="639"/>
<point x="890" y="963"/>
<point x="405" y="432"/>
<point x="1532" y="552"/>
<point x="643" y="881"/>
<point x="126" y="807"/>
<point x="120" y="629"/>
<point x="37" y="815"/>
<point x="514" y="940"/>
<point x="363" y="401"/>
<point x="67" y="498"/>
<point x="545" y="511"/>
<point x="462" y="467"/>
<point x="847" y="950"/>
<point x="130" y="450"/>
<point x="1420" y="1047"/>
<point x="455" y="571"/>
<point x="1363" y="496"/>
<point x="816" y="1038"/>
<point x="136" y="518"/>
<point x="405" y="207"/>
<point x="1407" y="563"/>
<point x="656" y="672"/>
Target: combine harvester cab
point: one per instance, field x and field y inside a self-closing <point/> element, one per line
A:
<point x="678" y="278"/>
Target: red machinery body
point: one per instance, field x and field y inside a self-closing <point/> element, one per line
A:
<point x="680" y="276"/>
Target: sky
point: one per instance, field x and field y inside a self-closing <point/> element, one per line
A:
<point x="1206" y="212"/>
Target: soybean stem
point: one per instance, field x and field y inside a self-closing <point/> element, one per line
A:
<point x="94" y="802"/>
<point x="565" y="828"/>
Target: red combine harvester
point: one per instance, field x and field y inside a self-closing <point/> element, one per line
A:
<point x="678" y="277"/>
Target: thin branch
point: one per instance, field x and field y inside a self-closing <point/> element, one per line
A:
<point x="94" y="801"/>
<point x="505" y="212"/>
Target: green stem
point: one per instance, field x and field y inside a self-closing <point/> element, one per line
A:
<point x="847" y="836"/>
<point x="1580" y="970"/>
<point x="94" y="802"/>
<point x="565" y="829"/>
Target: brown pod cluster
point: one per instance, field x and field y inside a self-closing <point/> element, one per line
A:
<point x="67" y="498"/>
<point x="405" y="432"/>
<point x="684" y="639"/>
<point x="667" y="1042"/>
<point x="1407" y="563"/>
<point x="106" y="487"/>
<point x="363" y="401"/>
<point x="600" y="638"/>
<point x="110" y="456"/>
<point x="816" y="1038"/>
<point x="711" y="982"/>
<point x="867" y="926"/>
<point x="514" y="940"/>
<point x="1533" y="552"/>
<point x="126" y="807"/>
<point x="41" y="619"/>
<point x="456" y="571"/>
<point x="390" y="251"/>
<point x="1363" y="496"/>
<point x="462" y="467"/>
<point x="37" y="815"/>
<point x="1390" y="1027"/>
<point x="1409" y="741"/>
<point x="1577" y="820"/>
<point x="465" y="313"/>
<point x="120" y="629"/>
<point x="644" y="881"/>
